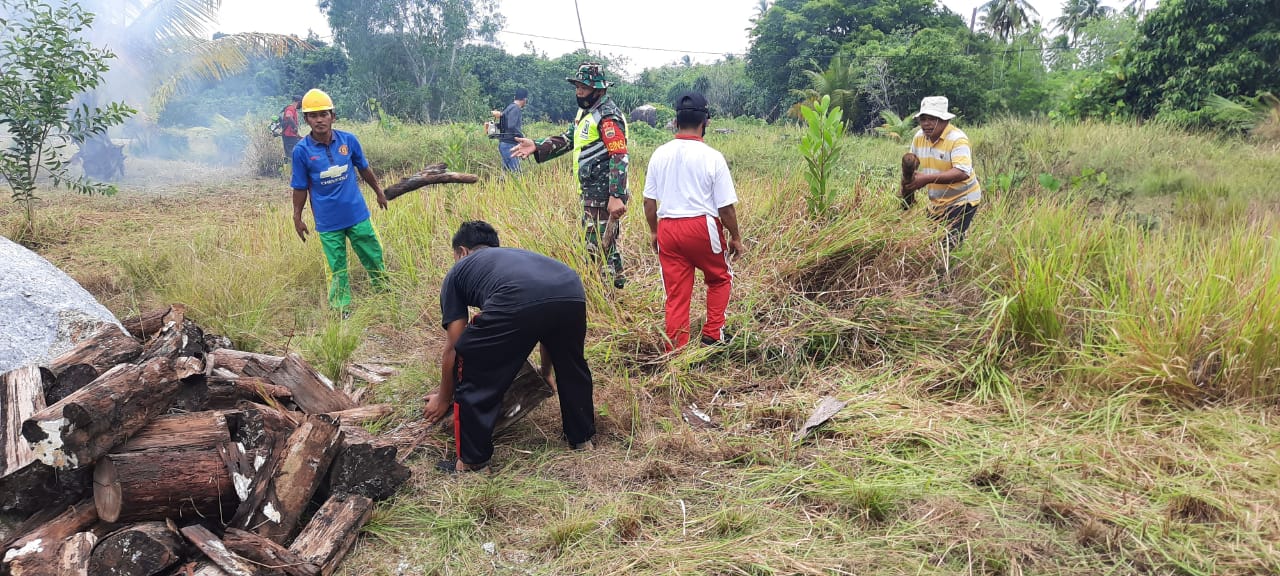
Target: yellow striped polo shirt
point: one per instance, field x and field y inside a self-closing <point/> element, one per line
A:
<point x="950" y="151"/>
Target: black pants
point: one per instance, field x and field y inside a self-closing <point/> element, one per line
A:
<point x="492" y="350"/>
<point x="289" y="142"/>
<point x="958" y="219"/>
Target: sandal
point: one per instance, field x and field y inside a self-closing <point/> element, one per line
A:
<point x="451" y="467"/>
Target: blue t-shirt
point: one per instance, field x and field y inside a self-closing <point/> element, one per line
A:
<point x="329" y="173"/>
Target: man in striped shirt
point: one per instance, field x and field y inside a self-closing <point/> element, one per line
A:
<point x="946" y="168"/>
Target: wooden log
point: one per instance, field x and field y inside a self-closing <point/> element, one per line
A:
<point x="76" y="553"/>
<point x="147" y="324"/>
<point x="102" y="351"/>
<point x="37" y="486"/>
<point x="72" y="378"/>
<point x="331" y="532"/>
<point x="283" y="486"/>
<point x="41" y="547"/>
<point x="311" y="392"/>
<point x="371" y="373"/>
<point x="201" y="393"/>
<point x="257" y="426"/>
<point x="183" y="338"/>
<point x="217" y="552"/>
<point x="362" y="414"/>
<point x="268" y="554"/>
<point x="164" y="483"/>
<point x="85" y="425"/>
<point x="365" y="466"/>
<point x="169" y="431"/>
<point x="421" y="179"/>
<point x="21" y="397"/>
<point x="141" y="549"/>
<point x="241" y="363"/>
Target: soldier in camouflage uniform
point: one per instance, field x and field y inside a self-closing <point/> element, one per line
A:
<point x="598" y="141"/>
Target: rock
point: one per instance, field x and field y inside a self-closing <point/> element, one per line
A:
<point x="646" y="113"/>
<point x="45" y="312"/>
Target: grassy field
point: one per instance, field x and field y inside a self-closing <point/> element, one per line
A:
<point x="1089" y="386"/>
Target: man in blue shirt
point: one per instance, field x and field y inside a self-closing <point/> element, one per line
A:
<point x="323" y="166"/>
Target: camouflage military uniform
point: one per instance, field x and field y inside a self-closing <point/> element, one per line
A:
<point x="598" y="141"/>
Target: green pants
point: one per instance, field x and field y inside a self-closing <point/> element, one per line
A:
<point x="364" y="241"/>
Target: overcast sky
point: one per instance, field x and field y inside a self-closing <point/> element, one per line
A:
<point x="637" y="29"/>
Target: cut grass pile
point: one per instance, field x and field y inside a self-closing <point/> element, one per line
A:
<point x="1088" y="387"/>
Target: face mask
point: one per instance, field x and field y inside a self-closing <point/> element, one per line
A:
<point x="589" y="101"/>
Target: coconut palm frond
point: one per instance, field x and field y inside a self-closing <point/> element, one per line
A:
<point x="164" y="21"/>
<point x="228" y="55"/>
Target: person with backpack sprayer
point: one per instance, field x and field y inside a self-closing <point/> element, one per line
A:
<point x="323" y="166"/>
<point x="289" y="126"/>
<point x="598" y="140"/>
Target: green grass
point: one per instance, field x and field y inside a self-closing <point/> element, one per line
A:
<point x="1087" y="387"/>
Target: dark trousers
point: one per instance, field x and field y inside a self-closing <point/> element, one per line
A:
<point x="492" y="350"/>
<point x="289" y="142"/>
<point x="957" y="219"/>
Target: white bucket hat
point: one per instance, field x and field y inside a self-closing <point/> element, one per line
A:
<point x="935" y="106"/>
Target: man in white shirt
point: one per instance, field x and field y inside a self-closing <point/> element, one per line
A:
<point x="689" y="204"/>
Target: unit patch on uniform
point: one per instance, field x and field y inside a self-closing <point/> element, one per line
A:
<point x="614" y="140"/>
<point x="342" y="149"/>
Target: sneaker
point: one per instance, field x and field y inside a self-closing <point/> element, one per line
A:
<point x="724" y="340"/>
<point x="585" y="445"/>
<point x="619" y="281"/>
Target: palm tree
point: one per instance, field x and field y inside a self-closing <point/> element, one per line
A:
<point x="1076" y="14"/>
<point x="839" y="81"/>
<point x="1005" y="18"/>
<point x="163" y="45"/>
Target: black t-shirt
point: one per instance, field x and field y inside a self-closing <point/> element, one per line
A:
<point x="511" y="123"/>
<point x="506" y="279"/>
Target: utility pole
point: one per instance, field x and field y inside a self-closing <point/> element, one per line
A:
<point x="580" y="32"/>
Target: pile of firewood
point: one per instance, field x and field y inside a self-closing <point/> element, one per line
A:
<point x="164" y="451"/>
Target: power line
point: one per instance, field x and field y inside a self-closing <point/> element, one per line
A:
<point x="623" y="45"/>
<point x="1005" y="51"/>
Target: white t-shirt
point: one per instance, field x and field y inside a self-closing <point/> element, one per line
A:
<point x="689" y="179"/>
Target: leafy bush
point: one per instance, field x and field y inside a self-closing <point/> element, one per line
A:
<point x="821" y="147"/>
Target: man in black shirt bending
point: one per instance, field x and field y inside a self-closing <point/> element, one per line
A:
<point x="524" y="299"/>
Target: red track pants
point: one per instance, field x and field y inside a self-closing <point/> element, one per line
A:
<point x="685" y="244"/>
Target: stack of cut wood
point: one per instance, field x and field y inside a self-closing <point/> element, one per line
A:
<point x="164" y="451"/>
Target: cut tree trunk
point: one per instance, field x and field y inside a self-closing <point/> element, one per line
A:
<point x="183" y="338"/>
<point x="147" y="324"/>
<point x="362" y="414"/>
<point x="241" y="363"/>
<point x="267" y="553"/>
<point x="312" y="393"/>
<point x="331" y="532"/>
<point x="89" y="359"/>
<point x="527" y="391"/>
<point x="164" y="483"/>
<point x="284" y="485"/>
<point x="139" y="550"/>
<point x="76" y="553"/>
<point x="38" y="485"/>
<point x="21" y="397"/>
<point x="41" y="548"/>
<point x="366" y="467"/>
<point x="85" y="425"/>
<point x="102" y="351"/>
<point x="230" y="562"/>
<point x="196" y="429"/>
<point x="434" y="174"/>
